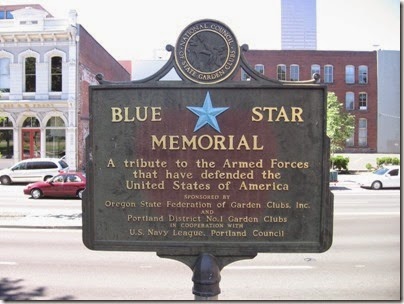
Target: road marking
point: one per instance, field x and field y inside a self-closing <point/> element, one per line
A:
<point x="8" y="263"/>
<point x="268" y="267"/>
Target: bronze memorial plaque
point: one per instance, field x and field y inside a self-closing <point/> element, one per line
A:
<point x="201" y="165"/>
<point x="207" y="167"/>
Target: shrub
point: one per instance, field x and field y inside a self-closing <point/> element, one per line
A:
<point x="340" y="163"/>
<point x="369" y="167"/>
<point x="387" y="161"/>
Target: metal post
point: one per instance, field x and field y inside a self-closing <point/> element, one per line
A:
<point x="206" y="278"/>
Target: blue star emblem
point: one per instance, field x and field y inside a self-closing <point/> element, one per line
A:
<point x="207" y="114"/>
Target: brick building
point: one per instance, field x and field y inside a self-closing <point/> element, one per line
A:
<point x="351" y="75"/>
<point x="46" y="67"/>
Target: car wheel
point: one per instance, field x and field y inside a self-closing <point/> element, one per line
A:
<point x="376" y="185"/>
<point x="36" y="193"/>
<point x="80" y="194"/>
<point x="5" y="180"/>
<point x="47" y="177"/>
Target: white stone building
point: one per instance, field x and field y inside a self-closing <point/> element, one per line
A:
<point x="45" y="72"/>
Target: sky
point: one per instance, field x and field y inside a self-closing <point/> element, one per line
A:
<point x="140" y="30"/>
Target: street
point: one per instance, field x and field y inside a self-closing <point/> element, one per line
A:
<point x="53" y="264"/>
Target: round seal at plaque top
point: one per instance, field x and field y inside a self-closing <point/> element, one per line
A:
<point x="207" y="52"/>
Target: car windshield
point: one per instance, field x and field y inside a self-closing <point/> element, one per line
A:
<point x="381" y="171"/>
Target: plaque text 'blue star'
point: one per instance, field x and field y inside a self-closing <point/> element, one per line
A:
<point x="207" y="114"/>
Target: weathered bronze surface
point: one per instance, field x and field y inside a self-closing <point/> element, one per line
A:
<point x="207" y="52"/>
<point x="226" y="168"/>
<point x="166" y="171"/>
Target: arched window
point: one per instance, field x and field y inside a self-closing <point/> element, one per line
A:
<point x="350" y="141"/>
<point x="31" y="122"/>
<point x="281" y="71"/>
<point x="55" y="137"/>
<point x="349" y="101"/>
<point x="56" y="74"/>
<point x="328" y="73"/>
<point x="259" y="68"/>
<point x="6" y="138"/>
<point x="315" y="68"/>
<point x="363" y="132"/>
<point x="294" y="72"/>
<point x="363" y="74"/>
<point x="5" y="75"/>
<point x="30" y="74"/>
<point x="245" y="76"/>
<point x="363" y="101"/>
<point x="349" y="74"/>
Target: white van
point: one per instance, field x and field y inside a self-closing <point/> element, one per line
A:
<point x="33" y="170"/>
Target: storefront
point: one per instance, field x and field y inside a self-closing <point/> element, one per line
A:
<point x="30" y="134"/>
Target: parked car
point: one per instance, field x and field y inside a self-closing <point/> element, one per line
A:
<point x="384" y="177"/>
<point x="71" y="184"/>
<point x="32" y="170"/>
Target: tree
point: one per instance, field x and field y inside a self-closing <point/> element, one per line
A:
<point x="340" y="124"/>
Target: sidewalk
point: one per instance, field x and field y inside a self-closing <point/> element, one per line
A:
<point x="358" y="161"/>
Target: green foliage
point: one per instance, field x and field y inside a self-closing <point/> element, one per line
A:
<point x="340" y="163"/>
<point x="340" y="124"/>
<point x="369" y="167"/>
<point x="387" y="161"/>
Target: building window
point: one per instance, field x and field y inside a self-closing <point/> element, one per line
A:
<point x="245" y="76"/>
<point x="349" y="101"/>
<point x="31" y="122"/>
<point x="55" y="137"/>
<point x="30" y="74"/>
<point x="363" y="74"/>
<point x="363" y="132"/>
<point x="328" y="73"/>
<point x="350" y="141"/>
<point x="294" y="72"/>
<point x="6" y="138"/>
<point x="363" y="101"/>
<point x="281" y="71"/>
<point x="315" y="69"/>
<point x="259" y="68"/>
<point x="56" y="74"/>
<point x="349" y="74"/>
<point x="6" y="15"/>
<point x="5" y="75"/>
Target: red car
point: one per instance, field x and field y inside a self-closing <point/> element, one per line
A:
<point x="70" y="184"/>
